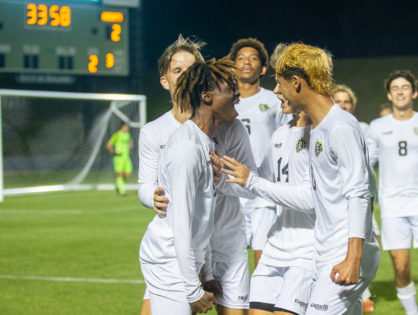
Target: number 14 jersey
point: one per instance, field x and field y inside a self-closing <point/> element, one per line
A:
<point x="394" y="143"/>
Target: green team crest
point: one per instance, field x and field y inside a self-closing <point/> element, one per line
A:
<point x="318" y="147"/>
<point x="300" y="145"/>
<point x="263" y="107"/>
<point x="416" y="131"/>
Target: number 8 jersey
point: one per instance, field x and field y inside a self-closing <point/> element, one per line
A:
<point x="394" y="143"/>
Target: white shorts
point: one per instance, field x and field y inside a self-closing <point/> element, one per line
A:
<point x="328" y="297"/>
<point x="235" y="282"/>
<point x="146" y="294"/>
<point x="161" y="305"/>
<point x="258" y="222"/>
<point x="397" y="233"/>
<point x="285" y="289"/>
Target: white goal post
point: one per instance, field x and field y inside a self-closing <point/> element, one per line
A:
<point x="75" y="125"/>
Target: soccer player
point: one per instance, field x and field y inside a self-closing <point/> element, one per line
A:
<point x="230" y="263"/>
<point x="120" y="144"/>
<point x="346" y="251"/>
<point x="345" y="97"/>
<point x="282" y="281"/>
<point x="259" y="110"/>
<point x="172" y="273"/>
<point x="393" y="142"/>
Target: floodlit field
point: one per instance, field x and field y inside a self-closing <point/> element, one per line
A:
<point x="77" y="253"/>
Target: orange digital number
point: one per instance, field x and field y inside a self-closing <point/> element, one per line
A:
<point x="42" y="14"/>
<point x="110" y="60"/>
<point x="54" y="15"/>
<point x="31" y="14"/>
<point x="93" y="62"/>
<point x="65" y="16"/>
<point x="116" y="30"/>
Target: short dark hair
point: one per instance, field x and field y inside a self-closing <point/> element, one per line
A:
<point x="181" y="44"/>
<point x="406" y="74"/>
<point x="250" y="42"/>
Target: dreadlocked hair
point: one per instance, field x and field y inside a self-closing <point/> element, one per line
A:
<point x="202" y="77"/>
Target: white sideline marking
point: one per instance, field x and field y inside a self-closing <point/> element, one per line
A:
<point x="66" y="211"/>
<point x="59" y="279"/>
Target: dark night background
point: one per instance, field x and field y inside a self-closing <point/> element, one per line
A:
<point x="368" y="40"/>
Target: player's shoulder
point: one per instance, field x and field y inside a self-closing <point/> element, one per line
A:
<point x="158" y="123"/>
<point x="381" y="121"/>
<point x="269" y="97"/>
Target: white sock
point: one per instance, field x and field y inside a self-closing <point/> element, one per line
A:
<point x="366" y="295"/>
<point x="407" y="296"/>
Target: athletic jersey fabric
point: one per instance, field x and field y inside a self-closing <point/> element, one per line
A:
<point x="394" y="143"/>
<point x="186" y="175"/>
<point x="341" y="191"/>
<point x="261" y="114"/>
<point x="121" y="140"/>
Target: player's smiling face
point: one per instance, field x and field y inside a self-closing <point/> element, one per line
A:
<point x="401" y="94"/>
<point x="285" y="91"/>
<point x="344" y="101"/>
<point x="249" y="65"/>
<point x="180" y="62"/>
<point x="223" y="103"/>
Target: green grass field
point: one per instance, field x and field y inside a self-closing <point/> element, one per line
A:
<point x="58" y="249"/>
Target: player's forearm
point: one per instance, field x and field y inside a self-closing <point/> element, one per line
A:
<point x="298" y="197"/>
<point x="234" y="190"/>
<point x="354" y="250"/>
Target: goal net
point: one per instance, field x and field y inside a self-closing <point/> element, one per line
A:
<point x="56" y="141"/>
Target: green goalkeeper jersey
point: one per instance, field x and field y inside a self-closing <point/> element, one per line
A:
<point x="121" y="141"/>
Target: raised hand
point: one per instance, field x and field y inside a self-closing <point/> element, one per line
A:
<point x="234" y="168"/>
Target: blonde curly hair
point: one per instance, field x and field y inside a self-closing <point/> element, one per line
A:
<point x="311" y="63"/>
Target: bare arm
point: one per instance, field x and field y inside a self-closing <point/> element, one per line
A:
<point x="348" y="271"/>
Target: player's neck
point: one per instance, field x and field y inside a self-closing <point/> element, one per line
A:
<point x="317" y="107"/>
<point x="303" y="120"/>
<point x="205" y="121"/>
<point x="180" y="116"/>
<point x="403" y="114"/>
<point x="248" y="89"/>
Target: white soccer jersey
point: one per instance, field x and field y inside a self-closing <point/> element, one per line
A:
<point x="340" y="184"/>
<point x="364" y="127"/>
<point x="261" y="114"/>
<point x="394" y="143"/>
<point x="229" y="242"/>
<point x="291" y="239"/>
<point x="152" y="139"/>
<point x="186" y="175"/>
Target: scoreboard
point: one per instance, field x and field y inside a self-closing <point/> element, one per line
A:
<point x="63" y="37"/>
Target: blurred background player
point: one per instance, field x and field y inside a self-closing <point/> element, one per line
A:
<point x="120" y="145"/>
<point x="346" y="252"/>
<point x="345" y="97"/>
<point x="385" y="109"/>
<point x="171" y="269"/>
<point x="393" y="143"/>
<point x="259" y="110"/>
<point x="176" y="59"/>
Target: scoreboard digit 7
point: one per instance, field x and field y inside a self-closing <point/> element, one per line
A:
<point x="63" y="37"/>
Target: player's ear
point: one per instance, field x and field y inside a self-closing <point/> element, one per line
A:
<point x="296" y="82"/>
<point x="207" y="98"/>
<point x="414" y="95"/>
<point x="164" y="83"/>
